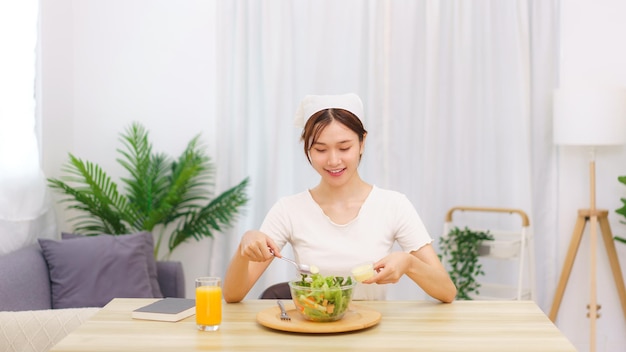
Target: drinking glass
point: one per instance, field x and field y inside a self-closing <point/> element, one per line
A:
<point x="208" y="303"/>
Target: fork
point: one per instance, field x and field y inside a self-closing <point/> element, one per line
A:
<point x="283" y="312"/>
<point x="303" y="268"/>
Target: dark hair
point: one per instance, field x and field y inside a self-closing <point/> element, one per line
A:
<point x="318" y="121"/>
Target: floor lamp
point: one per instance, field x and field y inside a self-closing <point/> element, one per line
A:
<point x="591" y="118"/>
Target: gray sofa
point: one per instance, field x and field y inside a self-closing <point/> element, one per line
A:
<point x="28" y="321"/>
<point x="25" y="281"/>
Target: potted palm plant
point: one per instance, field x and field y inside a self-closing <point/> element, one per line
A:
<point x="166" y="196"/>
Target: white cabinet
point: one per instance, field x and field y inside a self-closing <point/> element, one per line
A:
<point x="508" y="260"/>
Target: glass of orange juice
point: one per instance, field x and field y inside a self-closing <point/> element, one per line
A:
<point x="208" y="303"/>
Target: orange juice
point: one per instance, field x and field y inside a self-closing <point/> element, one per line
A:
<point x="209" y="305"/>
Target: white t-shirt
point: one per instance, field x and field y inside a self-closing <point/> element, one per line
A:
<point x="385" y="217"/>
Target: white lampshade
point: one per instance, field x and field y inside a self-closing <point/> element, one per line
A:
<point x="589" y="116"/>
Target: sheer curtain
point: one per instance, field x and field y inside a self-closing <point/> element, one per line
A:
<point x="456" y="96"/>
<point x="457" y="99"/>
<point x="25" y="211"/>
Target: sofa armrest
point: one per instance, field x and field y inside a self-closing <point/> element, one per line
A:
<point x="39" y="330"/>
<point x="171" y="278"/>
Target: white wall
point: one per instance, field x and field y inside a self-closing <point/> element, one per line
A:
<point x="104" y="68"/>
<point x="591" y="52"/>
<point x="94" y="81"/>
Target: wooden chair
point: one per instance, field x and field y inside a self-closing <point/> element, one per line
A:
<point x="277" y="291"/>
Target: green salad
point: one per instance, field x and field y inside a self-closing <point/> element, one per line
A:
<point x="322" y="298"/>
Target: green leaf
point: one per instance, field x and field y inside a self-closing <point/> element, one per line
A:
<point x="160" y="191"/>
<point x="95" y="194"/>
<point x="216" y="216"/>
<point x="621" y="211"/>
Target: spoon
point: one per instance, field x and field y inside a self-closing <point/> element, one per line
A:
<point x="303" y="268"/>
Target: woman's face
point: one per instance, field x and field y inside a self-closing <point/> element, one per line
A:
<point x="336" y="154"/>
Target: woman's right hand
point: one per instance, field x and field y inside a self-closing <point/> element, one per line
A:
<point x="247" y="265"/>
<point x="256" y="246"/>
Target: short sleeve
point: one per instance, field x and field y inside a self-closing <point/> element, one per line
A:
<point x="410" y="233"/>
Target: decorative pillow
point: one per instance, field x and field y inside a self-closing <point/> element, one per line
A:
<point x="91" y="271"/>
<point x="152" y="266"/>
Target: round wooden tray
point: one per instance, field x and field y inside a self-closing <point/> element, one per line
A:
<point x="356" y="318"/>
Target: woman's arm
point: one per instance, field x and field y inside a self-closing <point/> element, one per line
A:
<point x="250" y="260"/>
<point x="422" y="266"/>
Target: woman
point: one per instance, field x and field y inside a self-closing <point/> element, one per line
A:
<point x="342" y="222"/>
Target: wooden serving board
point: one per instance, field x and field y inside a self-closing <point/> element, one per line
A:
<point x="356" y="318"/>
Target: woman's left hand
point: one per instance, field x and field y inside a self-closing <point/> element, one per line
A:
<point x="390" y="269"/>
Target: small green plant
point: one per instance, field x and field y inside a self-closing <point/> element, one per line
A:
<point x="461" y="250"/>
<point x="172" y="196"/>
<point x="622" y="210"/>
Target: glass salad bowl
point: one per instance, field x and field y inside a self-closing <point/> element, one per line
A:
<point x="322" y="298"/>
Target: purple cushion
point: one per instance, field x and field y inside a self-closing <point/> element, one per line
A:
<point x="152" y="266"/>
<point x="91" y="271"/>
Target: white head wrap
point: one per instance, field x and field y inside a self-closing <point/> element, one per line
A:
<point x="314" y="103"/>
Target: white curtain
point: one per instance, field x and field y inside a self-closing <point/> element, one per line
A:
<point x="25" y="211"/>
<point x="457" y="99"/>
<point x="456" y="96"/>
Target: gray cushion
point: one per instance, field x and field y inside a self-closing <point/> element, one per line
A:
<point x="24" y="280"/>
<point x="152" y="266"/>
<point x="91" y="271"/>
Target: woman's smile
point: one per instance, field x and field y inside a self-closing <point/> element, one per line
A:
<point x="336" y="172"/>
